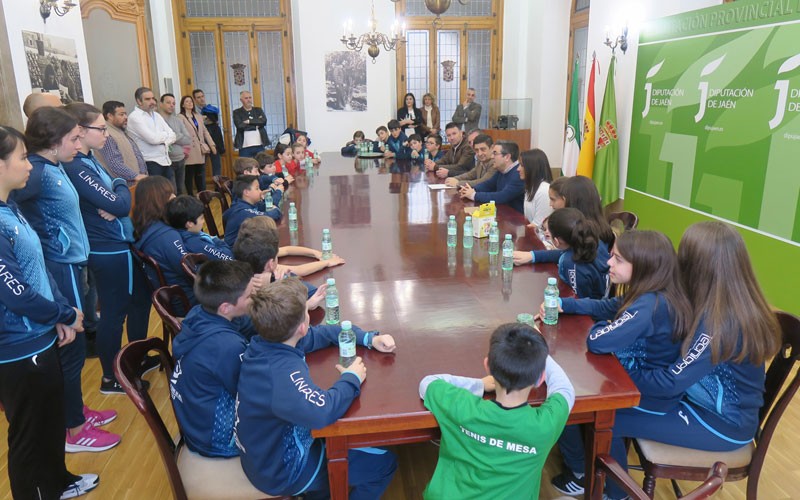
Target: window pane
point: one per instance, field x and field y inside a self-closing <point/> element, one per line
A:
<point x="417" y="63"/>
<point x="449" y="67"/>
<point x="581" y="5"/>
<point x="579" y="44"/>
<point x="472" y="8"/>
<point x="479" y="56"/>
<point x="233" y="8"/>
<point x="270" y="74"/>
<point x="204" y="65"/>
<point x="237" y="61"/>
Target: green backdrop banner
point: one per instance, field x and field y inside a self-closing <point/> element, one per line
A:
<point x="716" y="119"/>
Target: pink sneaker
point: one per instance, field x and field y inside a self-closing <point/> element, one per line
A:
<point x="98" y="418"/>
<point x="91" y="438"/>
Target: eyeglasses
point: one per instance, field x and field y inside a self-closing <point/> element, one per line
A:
<point x="498" y="153"/>
<point x="103" y="130"/>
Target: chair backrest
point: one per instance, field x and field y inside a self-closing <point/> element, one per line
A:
<point x="776" y="397"/>
<point x="224" y="185"/>
<point x="127" y="366"/>
<point x="165" y="300"/>
<point x="191" y="262"/>
<point x="155" y="277"/>
<point x="627" y="220"/>
<point x="605" y="466"/>
<point x="206" y="197"/>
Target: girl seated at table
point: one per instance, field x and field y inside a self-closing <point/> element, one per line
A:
<point x="537" y="175"/>
<point x="710" y="396"/>
<point x="580" y="263"/>
<point x="284" y="161"/>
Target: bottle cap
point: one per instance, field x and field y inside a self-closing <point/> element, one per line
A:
<point x="326" y="231"/>
<point x="525" y="318"/>
<point x="494" y="223"/>
<point x="452" y="217"/>
<point x="508" y="236"/>
<point x="469" y="217"/>
<point x="291" y="204"/>
<point x="331" y="281"/>
<point x="551" y="281"/>
<point x="346" y="325"/>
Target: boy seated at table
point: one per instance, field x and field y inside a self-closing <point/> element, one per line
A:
<point x="383" y="136"/>
<point x="257" y="245"/>
<point x="498" y="447"/>
<point x="268" y="183"/>
<point x="246" y="197"/>
<point x="433" y="144"/>
<point x="351" y="148"/>
<point x="302" y="138"/>
<point x="397" y="142"/>
<point x="278" y="405"/>
<point x="208" y="356"/>
<point x="185" y="214"/>
<point x="416" y="148"/>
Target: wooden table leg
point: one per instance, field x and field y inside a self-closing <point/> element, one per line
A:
<point x="598" y="440"/>
<point x="336" y="452"/>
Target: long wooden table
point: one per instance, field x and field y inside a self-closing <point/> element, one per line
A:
<point x="440" y="304"/>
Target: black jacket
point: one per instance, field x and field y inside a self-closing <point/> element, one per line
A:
<point x="258" y="120"/>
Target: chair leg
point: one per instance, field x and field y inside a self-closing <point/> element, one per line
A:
<point x="649" y="485"/>
<point x="676" y="488"/>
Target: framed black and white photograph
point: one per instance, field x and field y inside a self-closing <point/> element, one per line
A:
<point x="53" y="65"/>
<point x="346" y="81"/>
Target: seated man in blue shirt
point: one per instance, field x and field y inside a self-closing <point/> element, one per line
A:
<point x="505" y="187"/>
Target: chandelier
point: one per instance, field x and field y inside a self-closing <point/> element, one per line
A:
<point x="373" y="39"/>
<point x="48" y="6"/>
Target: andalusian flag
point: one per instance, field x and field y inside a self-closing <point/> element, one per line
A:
<point x="572" y="136"/>
<point x="586" y="159"/>
<point x="606" y="170"/>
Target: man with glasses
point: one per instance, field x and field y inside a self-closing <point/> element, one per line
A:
<point x="151" y="133"/>
<point x="484" y="164"/>
<point x="458" y="159"/>
<point x="505" y="187"/>
<point x="120" y="155"/>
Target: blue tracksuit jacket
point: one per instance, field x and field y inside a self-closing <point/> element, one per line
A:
<point x="278" y="405"/>
<point x="50" y="203"/>
<point x="641" y="337"/>
<point x="211" y="246"/>
<point x="165" y="245"/>
<point x="588" y="280"/>
<point x="208" y="355"/>
<point x="30" y="303"/>
<point x="239" y="212"/>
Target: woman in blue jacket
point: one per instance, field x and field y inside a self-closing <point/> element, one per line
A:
<point x="105" y="203"/>
<point x="35" y="319"/>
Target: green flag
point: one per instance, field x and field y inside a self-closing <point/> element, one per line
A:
<point x="606" y="165"/>
<point x="572" y="135"/>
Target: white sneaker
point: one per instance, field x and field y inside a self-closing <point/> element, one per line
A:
<point x="85" y="484"/>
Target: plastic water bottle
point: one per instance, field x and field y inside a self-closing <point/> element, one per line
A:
<point x="268" y="203"/>
<point x="494" y="239"/>
<point x="452" y="231"/>
<point x="468" y="239"/>
<point x="327" y="244"/>
<point x="347" y="344"/>
<point x="508" y="254"/>
<point x="551" y="302"/>
<point x="332" y="303"/>
<point x="292" y="217"/>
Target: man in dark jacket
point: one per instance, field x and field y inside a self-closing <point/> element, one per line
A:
<point x="459" y="159"/>
<point x="250" y="121"/>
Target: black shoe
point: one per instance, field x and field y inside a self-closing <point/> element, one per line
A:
<point x="567" y="484"/>
<point x="113" y="387"/>
<point x="91" y="343"/>
<point x="150" y="363"/>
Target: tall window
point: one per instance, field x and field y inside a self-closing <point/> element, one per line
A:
<point x="578" y="43"/>
<point x="463" y="50"/>
<point x="249" y="51"/>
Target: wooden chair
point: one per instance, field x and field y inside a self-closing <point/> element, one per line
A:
<point x="191" y="262"/>
<point x="607" y="467"/>
<point x="206" y="197"/>
<point x="155" y="277"/>
<point x="673" y="462"/>
<point x="164" y="300"/>
<point x="191" y="476"/>
<point x="224" y="185"/>
<point x="622" y="221"/>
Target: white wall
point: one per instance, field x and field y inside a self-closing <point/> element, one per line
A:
<point x="317" y="28"/>
<point x="615" y="12"/>
<point x="25" y="16"/>
<point x="164" y="46"/>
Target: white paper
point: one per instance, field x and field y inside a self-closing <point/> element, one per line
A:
<point x="440" y="186"/>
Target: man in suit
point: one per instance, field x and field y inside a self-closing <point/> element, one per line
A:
<point x="250" y="121"/>
<point x="468" y="113"/>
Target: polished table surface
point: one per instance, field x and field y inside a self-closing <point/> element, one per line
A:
<point x="440" y="304"/>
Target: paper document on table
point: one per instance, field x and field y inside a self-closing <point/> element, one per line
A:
<point x="440" y="186"/>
